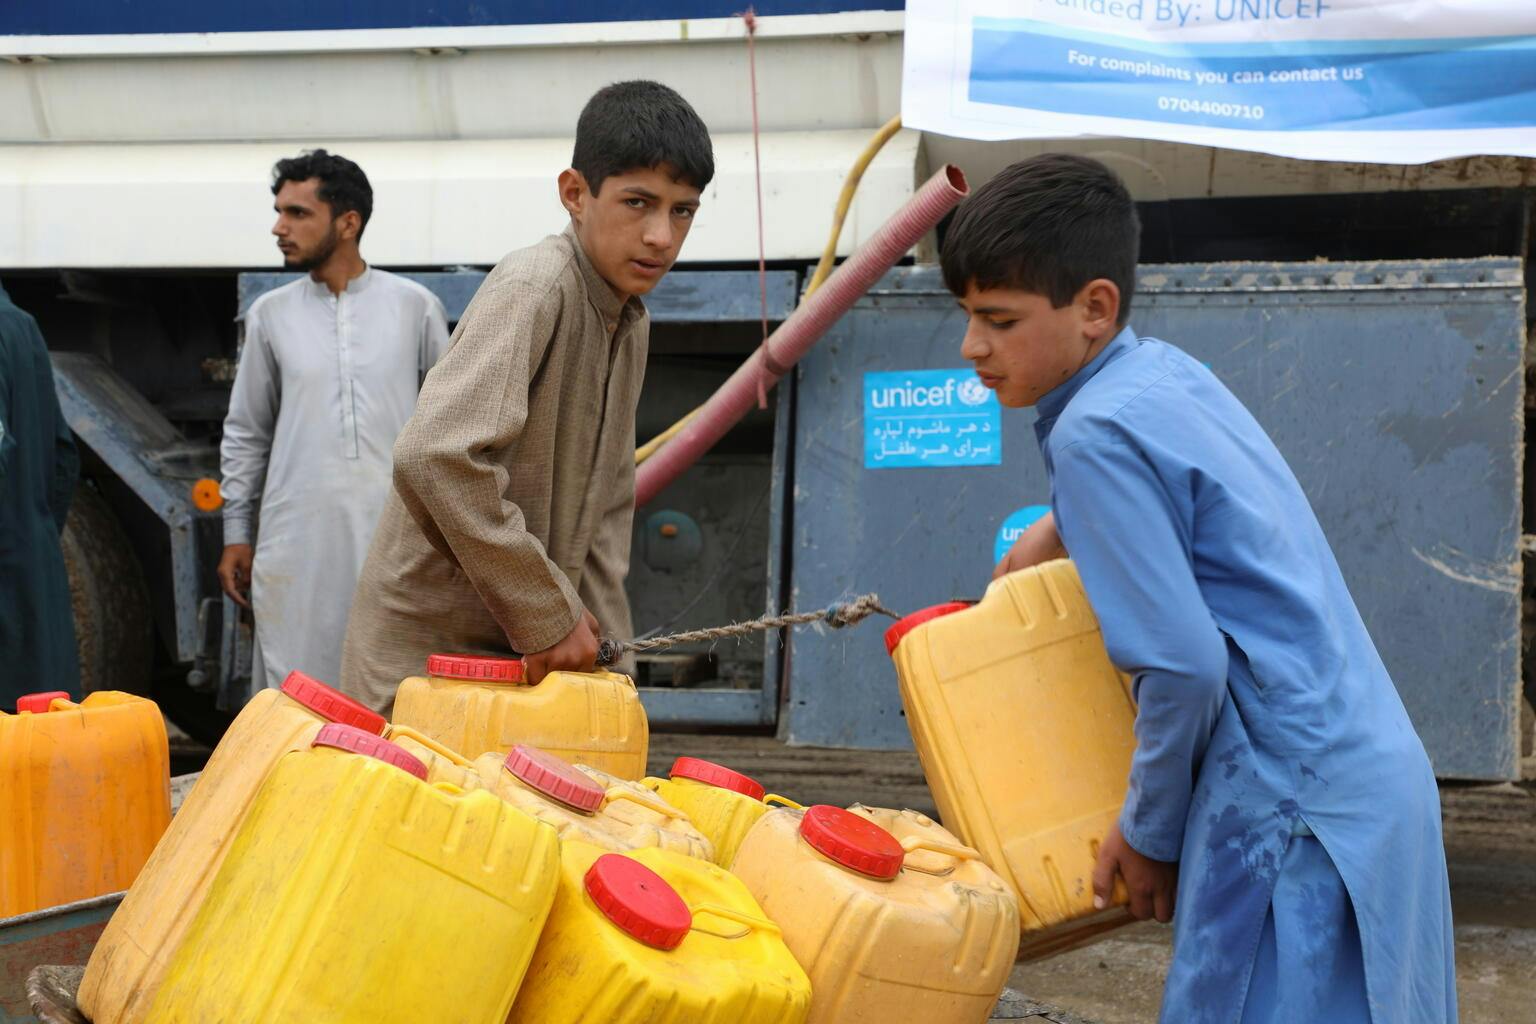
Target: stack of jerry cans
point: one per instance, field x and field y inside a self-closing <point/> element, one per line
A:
<point x="129" y="961"/>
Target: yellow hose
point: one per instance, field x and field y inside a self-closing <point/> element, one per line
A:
<point x="650" y="447"/>
<point x="823" y="266"/>
<point x="845" y="200"/>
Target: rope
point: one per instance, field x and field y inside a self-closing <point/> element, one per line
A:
<point x="726" y="565"/>
<point x="750" y="18"/>
<point x="847" y="613"/>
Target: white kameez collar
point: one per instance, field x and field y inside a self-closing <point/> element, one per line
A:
<point x="320" y="290"/>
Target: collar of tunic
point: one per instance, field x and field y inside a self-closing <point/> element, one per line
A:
<point x="1054" y="401"/>
<point x="599" y="292"/>
<point x="359" y="284"/>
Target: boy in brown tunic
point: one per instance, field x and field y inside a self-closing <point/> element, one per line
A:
<point x="508" y="528"/>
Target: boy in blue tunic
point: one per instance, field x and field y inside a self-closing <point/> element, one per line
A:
<point x="1278" y="789"/>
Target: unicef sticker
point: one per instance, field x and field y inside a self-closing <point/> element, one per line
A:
<point x="1013" y="527"/>
<point x="926" y="418"/>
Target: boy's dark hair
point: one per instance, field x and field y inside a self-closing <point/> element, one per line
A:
<point x="630" y="125"/>
<point x="343" y="185"/>
<point x="1047" y="225"/>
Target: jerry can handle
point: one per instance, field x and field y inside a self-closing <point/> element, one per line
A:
<point x="912" y="844"/>
<point x="431" y="744"/>
<point x="65" y="704"/>
<point x="782" y="801"/>
<point x="625" y="793"/>
<point x="604" y="669"/>
<point x="746" y="920"/>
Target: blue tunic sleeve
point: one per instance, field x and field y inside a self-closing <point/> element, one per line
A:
<point x="1130" y="534"/>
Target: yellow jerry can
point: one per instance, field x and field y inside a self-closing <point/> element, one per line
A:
<point x="891" y="917"/>
<point x="1025" y="733"/>
<point x="129" y="961"/>
<point x="723" y="804"/>
<point x="651" y="821"/>
<point x="84" y="795"/>
<point x="476" y="705"/>
<point x="357" y="893"/>
<point x="553" y="791"/>
<point x="654" y="935"/>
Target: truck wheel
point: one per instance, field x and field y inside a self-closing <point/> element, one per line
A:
<point x="113" y="628"/>
<point x="196" y="714"/>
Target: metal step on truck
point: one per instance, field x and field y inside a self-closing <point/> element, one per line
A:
<point x="135" y="151"/>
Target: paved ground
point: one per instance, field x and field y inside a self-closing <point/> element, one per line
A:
<point x="1490" y="845"/>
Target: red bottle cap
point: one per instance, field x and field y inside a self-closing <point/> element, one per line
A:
<point x="331" y="704"/>
<point x="555" y="777"/>
<point x="356" y="741"/>
<point x="711" y="774"/>
<point x="38" y="703"/>
<point x="639" y="901"/>
<point x="475" y="667"/>
<point x="903" y="626"/>
<point x="852" y="841"/>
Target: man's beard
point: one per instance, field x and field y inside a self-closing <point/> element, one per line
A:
<point x="314" y="259"/>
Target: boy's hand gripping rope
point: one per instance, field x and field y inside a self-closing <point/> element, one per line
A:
<point x="610" y="650"/>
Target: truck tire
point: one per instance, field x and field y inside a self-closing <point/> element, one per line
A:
<point x="114" y="630"/>
<point x="196" y="714"/>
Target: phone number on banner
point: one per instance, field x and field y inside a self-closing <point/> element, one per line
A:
<point x="1211" y="108"/>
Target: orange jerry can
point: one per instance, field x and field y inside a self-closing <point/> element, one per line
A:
<point x="130" y="959"/>
<point x="1025" y="730"/>
<point x="85" y="793"/>
<point x="891" y="917"/>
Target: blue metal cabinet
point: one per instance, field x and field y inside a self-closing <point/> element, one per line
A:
<point x="1395" y="390"/>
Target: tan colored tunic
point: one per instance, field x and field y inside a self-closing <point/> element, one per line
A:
<point x="514" y="482"/>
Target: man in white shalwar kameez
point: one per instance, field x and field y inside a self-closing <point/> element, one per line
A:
<point x="329" y="374"/>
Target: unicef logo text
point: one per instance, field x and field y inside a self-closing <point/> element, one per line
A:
<point x="909" y="395"/>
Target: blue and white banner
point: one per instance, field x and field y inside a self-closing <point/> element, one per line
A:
<point x="929" y="418"/>
<point x="1405" y="81"/>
